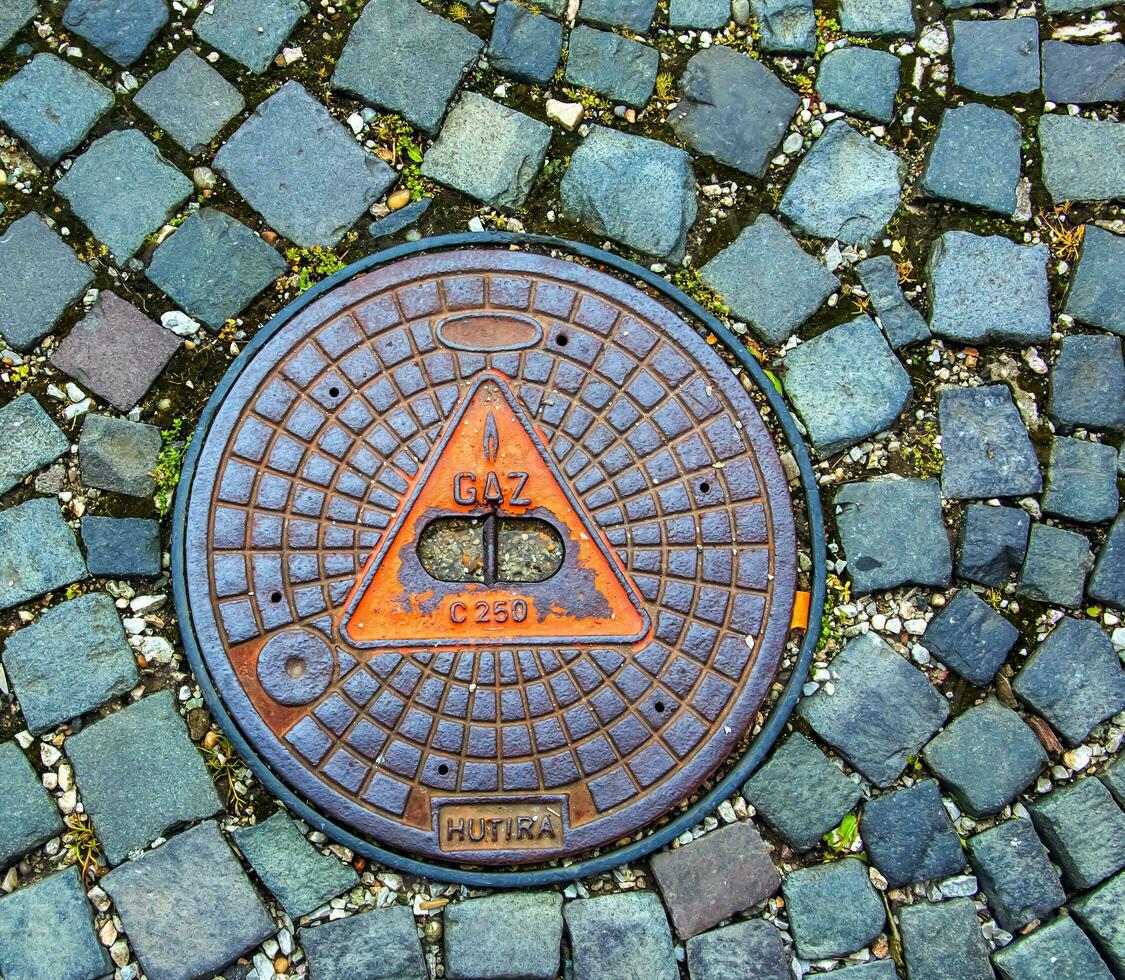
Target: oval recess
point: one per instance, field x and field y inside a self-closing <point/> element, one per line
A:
<point x="489" y="331"/>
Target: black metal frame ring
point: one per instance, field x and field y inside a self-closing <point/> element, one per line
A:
<point x="759" y="746"/>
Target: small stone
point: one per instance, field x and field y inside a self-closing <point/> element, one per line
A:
<point x="750" y="950"/>
<point x="996" y="57"/>
<point x="1056" y="566"/>
<point x="407" y="59"/>
<point x="909" y="837"/>
<point x="139" y="774"/>
<point x="517" y="934"/>
<point x="1088" y="383"/>
<point x="985" y="446"/>
<point x="1074" y="679"/>
<point x="767" y="279"/>
<point x="970" y="638"/>
<point x="368" y="944"/>
<point x="1102" y="915"/>
<point x="47" y="931"/>
<point x="28" y="818"/>
<point x="179" y="323"/>
<point x="566" y="114"/>
<point x="847" y="187"/>
<point x="98" y="664"/>
<point x="1097" y="293"/>
<point x="1081" y="481"/>
<point x="737" y="855"/>
<point x="944" y="941"/>
<point x="398" y="200"/>
<point x="218" y="915"/>
<point x="1078" y="74"/>
<point x="622" y="935"/>
<point x="123" y="190"/>
<point x="396" y="221"/>
<point x="1107" y="583"/>
<point x="1085" y="830"/>
<point x="38" y="552"/>
<point x="617" y="67"/>
<point x="801" y="793"/>
<point x="878" y="18"/>
<point x="524" y="44"/>
<point x="119" y="456"/>
<point x="116" y="351"/>
<point x="636" y="191"/>
<point x="120" y="29"/>
<point x="882" y="712"/>
<point x="893" y="533"/>
<point x="975" y="159"/>
<point x="51" y="106"/>
<point x="786" y="25"/>
<point x="1080" y="158"/>
<point x="488" y="151"/>
<point x="733" y="109"/>
<point x="964" y="758"/>
<point x="900" y="321"/>
<point x="29" y="440"/>
<point x="42" y="277"/>
<point x="205" y="178"/>
<point x="190" y="101"/>
<point x="861" y="81"/>
<point x="1015" y="873"/>
<point x="833" y="909"/>
<point x="988" y="290"/>
<point x="301" y="169"/>
<point x="214" y="266"/>
<point x="846" y="385"/>
<point x="1058" y="950"/>
<point x="249" y="31"/>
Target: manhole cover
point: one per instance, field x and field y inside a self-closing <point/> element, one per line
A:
<point x="489" y="557"/>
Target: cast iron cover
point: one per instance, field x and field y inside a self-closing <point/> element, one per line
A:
<point x="356" y="556"/>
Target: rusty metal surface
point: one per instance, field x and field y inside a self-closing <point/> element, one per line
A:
<point x="422" y="714"/>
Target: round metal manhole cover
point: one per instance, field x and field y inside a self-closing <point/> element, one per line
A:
<point x="487" y="556"/>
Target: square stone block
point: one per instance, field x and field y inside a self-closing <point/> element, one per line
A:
<point x="300" y="169"/>
<point x="139" y="774"/>
<point x="71" y="660"/>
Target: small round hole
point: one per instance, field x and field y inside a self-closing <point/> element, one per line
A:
<point x="659" y="706"/>
<point x="705" y="487"/>
<point x="275" y="597"/>
<point x="295" y="667"/>
<point x="562" y="340"/>
<point x="334" y="392"/>
<point x="443" y="770"/>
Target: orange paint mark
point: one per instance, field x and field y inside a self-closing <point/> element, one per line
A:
<point x="492" y="463"/>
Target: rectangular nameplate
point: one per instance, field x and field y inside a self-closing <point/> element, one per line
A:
<point x="518" y="826"/>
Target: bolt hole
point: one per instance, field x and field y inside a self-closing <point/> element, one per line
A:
<point x="275" y="597"/>
<point x="443" y="770"/>
<point x="562" y="340"/>
<point x="295" y="667"/>
<point x="334" y="392"/>
<point x="659" y="706"/>
<point x="705" y="487"/>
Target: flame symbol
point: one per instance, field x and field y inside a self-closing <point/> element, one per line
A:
<point x="491" y="438"/>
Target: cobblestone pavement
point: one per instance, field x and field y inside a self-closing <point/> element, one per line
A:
<point x="908" y="211"/>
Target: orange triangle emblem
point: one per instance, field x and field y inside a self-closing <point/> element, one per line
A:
<point x="491" y="546"/>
